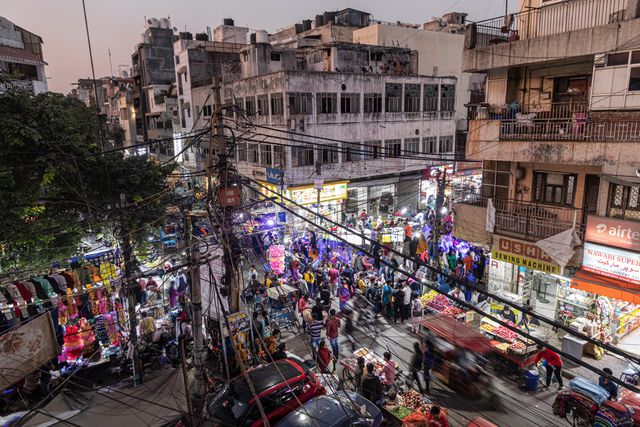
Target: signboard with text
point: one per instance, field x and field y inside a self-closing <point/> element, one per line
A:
<point x="230" y="197"/>
<point x="613" y="232"/>
<point x="274" y="175"/>
<point x="524" y="254"/>
<point x="611" y="262"/>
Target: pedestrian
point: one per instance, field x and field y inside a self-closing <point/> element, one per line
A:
<point x="452" y="259"/>
<point x="436" y="418"/>
<point x="266" y="327"/>
<point x="324" y="357"/>
<point x="428" y="357"/>
<point x="554" y="364"/>
<point x="372" y="386"/>
<point x="388" y="370"/>
<point x="344" y="294"/>
<point x="398" y="304"/>
<point x="406" y="305"/>
<point x="481" y="265"/>
<point x="303" y="304"/>
<point x="143" y="291"/>
<point x="318" y="309"/>
<point x="386" y="300"/>
<point x="357" y="377"/>
<point x="334" y="274"/>
<point x="281" y="353"/>
<point x="310" y="278"/>
<point x="333" y="330"/>
<point x="315" y="330"/>
<point x="147" y="327"/>
<point x="416" y="364"/>
<point x="325" y="294"/>
<point x="605" y="382"/>
<point x="416" y="314"/>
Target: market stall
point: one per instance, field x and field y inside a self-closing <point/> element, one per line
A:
<point x="512" y="352"/>
<point x="436" y="303"/>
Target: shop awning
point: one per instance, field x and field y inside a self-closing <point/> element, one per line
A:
<point x="457" y="333"/>
<point x="605" y="286"/>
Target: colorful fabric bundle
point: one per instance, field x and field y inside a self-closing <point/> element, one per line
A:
<point x="590" y="389"/>
<point x="101" y="330"/>
<point x="613" y="414"/>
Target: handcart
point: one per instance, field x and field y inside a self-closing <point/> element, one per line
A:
<point x="281" y="305"/>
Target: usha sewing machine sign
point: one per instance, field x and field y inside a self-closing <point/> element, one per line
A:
<point x="523" y="254"/>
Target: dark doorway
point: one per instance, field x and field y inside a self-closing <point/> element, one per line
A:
<point x="591" y="189"/>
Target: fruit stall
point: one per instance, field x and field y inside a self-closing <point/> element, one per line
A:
<point x="512" y="351"/>
<point x="436" y="303"/>
<point x="408" y="410"/>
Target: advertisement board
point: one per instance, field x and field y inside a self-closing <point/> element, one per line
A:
<point x="613" y="232"/>
<point x="611" y="262"/>
<point x="524" y="254"/>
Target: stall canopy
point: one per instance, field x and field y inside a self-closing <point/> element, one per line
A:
<point x="605" y="286"/>
<point x="159" y="401"/>
<point x="458" y="334"/>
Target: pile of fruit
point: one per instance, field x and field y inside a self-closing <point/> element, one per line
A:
<point x="419" y="417"/>
<point x="361" y="352"/>
<point x="411" y="399"/>
<point x="487" y="327"/>
<point x="401" y="412"/>
<point x="439" y="303"/>
<point x="350" y="363"/>
<point x="426" y="298"/>
<point x="504" y="333"/>
<point x="518" y="347"/>
<point x="452" y="311"/>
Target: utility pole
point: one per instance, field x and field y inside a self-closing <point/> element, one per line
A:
<point x="318" y="184"/>
<point x="128" y="287"/>
<point x="442" y="183"/>
<point x="229" y="197"/>
<point x="193" y="254"/>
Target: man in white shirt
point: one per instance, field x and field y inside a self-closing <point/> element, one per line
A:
<point x="406" y="303"/>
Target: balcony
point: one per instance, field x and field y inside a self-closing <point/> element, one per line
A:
<point x="564" y="29"/>
<point x="531" y="220"/>
<point x="562" y="17"/>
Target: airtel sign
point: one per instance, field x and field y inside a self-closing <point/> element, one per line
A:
<point x="613" y="232"/>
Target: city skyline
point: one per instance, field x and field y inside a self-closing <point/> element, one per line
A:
<point x="66" y="52"/>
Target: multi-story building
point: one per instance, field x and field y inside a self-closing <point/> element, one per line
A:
<point x="109" y="91"/>
<point x="558" y="135"/>
<point x="21" y="59"/>
<point x="153" y="98"/>
<point x="341" y="112"/>
<point x="197" y="63"/>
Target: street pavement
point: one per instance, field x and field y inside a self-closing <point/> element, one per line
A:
<point x="519" y="407"/>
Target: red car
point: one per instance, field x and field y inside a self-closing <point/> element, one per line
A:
<point x="281" y="386"/>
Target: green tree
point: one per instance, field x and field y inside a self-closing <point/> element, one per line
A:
<point x="56" y="185"/>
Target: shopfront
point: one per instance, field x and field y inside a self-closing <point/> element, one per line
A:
<point x="603" y="298"/>
<point x="332" y="200"/>
<point x="463" y="182"/>
<point x="524" y="274"/>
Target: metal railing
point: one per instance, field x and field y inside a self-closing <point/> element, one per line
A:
<point x="568" y="15"/>
<point x="549" y="110"/>
<point x="576" y="129"/>
<point x="532" y="220"/>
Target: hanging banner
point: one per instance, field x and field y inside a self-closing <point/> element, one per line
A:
<point x="524" y="254"/>
<point x="25" y="349"/>
<point x="611" y="262"/>
<point x="276" y="258"/>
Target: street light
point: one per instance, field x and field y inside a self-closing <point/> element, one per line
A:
<point x="444" y="210"/>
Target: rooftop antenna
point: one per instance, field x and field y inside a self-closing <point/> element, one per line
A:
<point x="110" y="64"/>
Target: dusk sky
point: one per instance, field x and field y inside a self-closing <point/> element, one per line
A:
<point x="116" y="24"/>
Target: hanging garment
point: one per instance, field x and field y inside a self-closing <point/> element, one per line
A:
<point x="100" y="329"/>
<point x="84" y="277"/>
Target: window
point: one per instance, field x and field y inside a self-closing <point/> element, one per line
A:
<point x="177" y="59"/>
<point x="263" y="105"/>
<point x="372" y="150"/>
<point x="393" y="97"/>
<point x="430" y="97"/>
<point x="446" y="144"/>
<point x="352" y="152"/>
<point x="206" y="111"/>
<point x="300" y="103"/>
<point x="554" y="188"/>
<point x="252" y="153"/>
<point x="302" y="156"/>
<point x="327" y="103"/>
<point x="349" y="103"/>
<point x="393" y="147"/>
<point x="277" y="107"/>
<point x="429" y="144"/>
<point x="250" y="105"/>
<point x="275" y="56"/>
<point x="266" y="158"/>
<point x="376" y="56"/>
<point x="411" y="98"/>
<point x="412" y="146"/>
<point x="227" y="111"/>
<point x="373" y="103"/>
<point x="241" y="149"/>
<point x="495" y="179"/>
<point x="329" y="153"/>
<point x="614" y="59"/>
<point x="634" y="78"/>
<point x="624" y="202"/>
<point x="448" y="94"/>
<point x="279" y="155"/>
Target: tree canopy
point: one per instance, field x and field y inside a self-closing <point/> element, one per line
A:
<point x="56" y="184"/>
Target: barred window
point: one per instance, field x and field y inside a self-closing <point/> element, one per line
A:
<point x="373" y="103"/>
<point x="266" y="157"/>
<point x="430" y="97"/>
<point x="277" y="107"/>
<point x="300" y="103"/>
<point x="393" y="97"/>
<point x="302" y="156"/>
<point x="372" y="150"/>
<point x="353" y="152"/>
<point x="448" y="94"/>
<point x="349" y="103"/>
<point x="411" y="98"/>
<point x="327" y="103"/>
<point x="412" y="146"/>
<point x="263" y="105"/>
<point x="250" y="105"/>
<point x="392" y="147"/>
<point x="429" y="144"/>
<point x="446" y="144"/>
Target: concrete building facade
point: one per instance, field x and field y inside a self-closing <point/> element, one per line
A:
<point x="21" y="59"/>
<point x="557" y="135"/>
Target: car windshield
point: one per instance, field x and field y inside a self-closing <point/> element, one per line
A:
<point x="232" y="402"/>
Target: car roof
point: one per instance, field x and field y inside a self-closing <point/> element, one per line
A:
<point x="267" y="376"/>
<point x="321" y="411"/>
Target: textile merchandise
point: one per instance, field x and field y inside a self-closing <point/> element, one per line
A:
<point x="613" y="414"/>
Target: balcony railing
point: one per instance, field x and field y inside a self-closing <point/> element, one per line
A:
<point x="561" y="17"/>
<point x="550" y="110"/>
<point x="577" y="129"/>
<point x="532" y="220"/>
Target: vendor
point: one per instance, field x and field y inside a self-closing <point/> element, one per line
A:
<point x="527" y="320"/>
<point x="605" y="382"/>
<point x="507" y="315"/>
